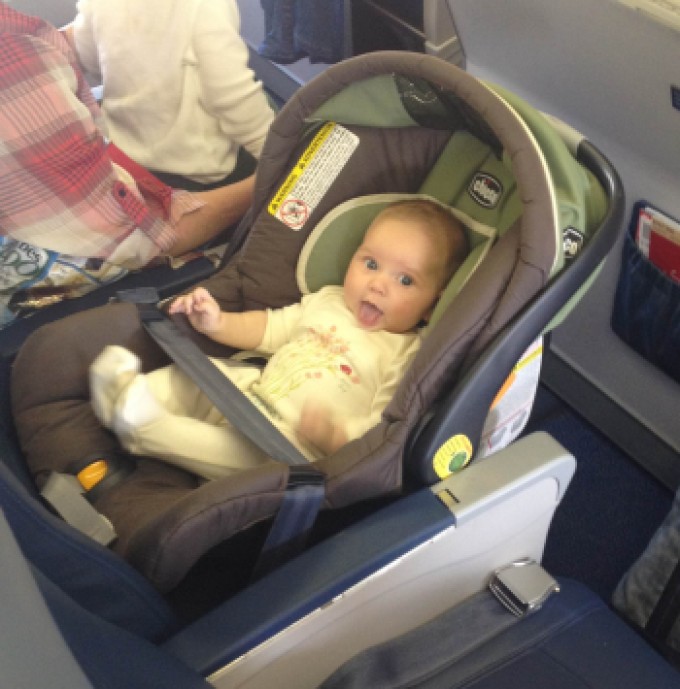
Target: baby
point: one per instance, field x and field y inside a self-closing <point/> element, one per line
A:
<point x="337" y="356"/>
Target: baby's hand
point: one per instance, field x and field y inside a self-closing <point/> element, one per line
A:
<point x="200" y="308"/>
<point x="320" y="429"/>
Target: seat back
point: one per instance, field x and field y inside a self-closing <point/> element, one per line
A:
<point x="50" y="640"/>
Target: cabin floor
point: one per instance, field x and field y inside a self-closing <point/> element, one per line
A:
<point x="611" y="509"/>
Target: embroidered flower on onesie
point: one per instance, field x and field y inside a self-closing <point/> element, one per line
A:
<point x="316" y="355"/>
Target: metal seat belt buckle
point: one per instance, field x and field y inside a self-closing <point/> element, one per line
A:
<point x="522" y="586"/>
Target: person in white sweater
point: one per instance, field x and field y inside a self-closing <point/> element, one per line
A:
<point x="337" y="356"/>
<point x="179" y="97"/>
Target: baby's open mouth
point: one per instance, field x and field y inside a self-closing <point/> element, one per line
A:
<point x="369" y="314"/>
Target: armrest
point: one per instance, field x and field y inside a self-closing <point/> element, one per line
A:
<point x="403" y="558"/>
<point x="513" y="469"/>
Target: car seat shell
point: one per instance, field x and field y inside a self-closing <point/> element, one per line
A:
<point x="166" y="521"/>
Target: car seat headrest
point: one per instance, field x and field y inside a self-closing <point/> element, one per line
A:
<point x="330" y="246"/>
<point x="383" y="93"/>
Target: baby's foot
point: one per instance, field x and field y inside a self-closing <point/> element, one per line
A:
<point x="135" y="407"/>
<point x="110" y="373"/>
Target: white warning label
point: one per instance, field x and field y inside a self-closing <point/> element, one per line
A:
<point x="510" y="410"/>
<point x="313" y="174"/>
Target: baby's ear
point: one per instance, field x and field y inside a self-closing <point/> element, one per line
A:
<point x="428" y="314"/>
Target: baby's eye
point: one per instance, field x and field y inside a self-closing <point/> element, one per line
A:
<point x="405" y="280"/>
<point x="371" y="263"/>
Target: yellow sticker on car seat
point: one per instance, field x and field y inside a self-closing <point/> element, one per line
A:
<point x="452" y="456"/>
<point x="313" y="174"/>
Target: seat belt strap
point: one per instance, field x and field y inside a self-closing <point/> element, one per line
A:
<point x="305" y="490"/>
<point x="231" y="402"/>
<point x="294" y="520"/>
<point x="421" y="656"/>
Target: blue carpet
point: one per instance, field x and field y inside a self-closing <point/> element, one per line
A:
<point x="611" y="509"/>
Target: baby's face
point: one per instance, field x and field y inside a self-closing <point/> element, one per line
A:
<point x="395" y="277"/>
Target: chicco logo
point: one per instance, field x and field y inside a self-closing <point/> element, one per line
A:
<point x="485" y="189"/>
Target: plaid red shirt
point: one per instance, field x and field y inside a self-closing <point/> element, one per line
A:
<point x="58" y="187"/>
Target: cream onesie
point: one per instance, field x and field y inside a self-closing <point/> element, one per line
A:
<point x="319" y="352"/>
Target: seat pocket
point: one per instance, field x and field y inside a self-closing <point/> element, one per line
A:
<point x="646" y="312"/>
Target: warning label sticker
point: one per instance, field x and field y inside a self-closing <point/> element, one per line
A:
<point x="313" y="174"/>
<point x="510" y="410"/>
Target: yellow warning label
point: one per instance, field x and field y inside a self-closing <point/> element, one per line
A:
<point x="534" y="352"/>
<point x="452" y="456"/>
<point x="313" y="174"/>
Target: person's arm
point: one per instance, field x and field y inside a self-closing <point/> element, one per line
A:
<point x="222" y="208"/>
<point x="81" y="35"/>
<point x="242" y="330"/>
<point x="232" y="95"/>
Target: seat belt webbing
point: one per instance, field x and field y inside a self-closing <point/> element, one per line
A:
<point x="305" y="490"/>
<point x="294" y="520"/>
<point x="422" y="656"/>
<point x="231" y="402"/>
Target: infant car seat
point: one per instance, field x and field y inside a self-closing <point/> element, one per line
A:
<point x="365" y="130"/>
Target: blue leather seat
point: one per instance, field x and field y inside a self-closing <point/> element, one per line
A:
<point x="573" y="641"/>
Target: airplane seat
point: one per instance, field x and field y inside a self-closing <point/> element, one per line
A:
<point x="87" y="571"/>
<point x="573" y="640"/>
<point x="47" y="639"/>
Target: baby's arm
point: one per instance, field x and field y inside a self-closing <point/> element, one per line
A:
<point x="321" y="429"/>
<point x="242" y="330"/>
<point x="328" y="430"/>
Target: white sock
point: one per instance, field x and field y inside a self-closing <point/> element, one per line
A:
<point x="110" y="373"/>
<point x="136" y="406"/>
